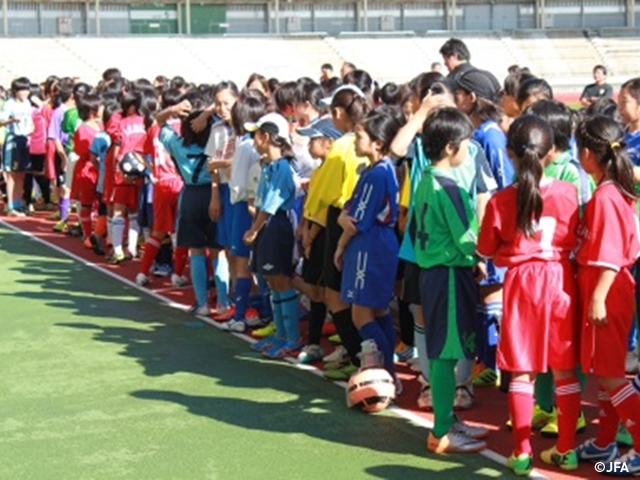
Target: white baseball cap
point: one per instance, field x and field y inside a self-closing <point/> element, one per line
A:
<point x="350" y="88"/>
<point x="272" y="123"/>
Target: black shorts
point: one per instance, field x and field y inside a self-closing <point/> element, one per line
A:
<point x="60" y="174"/>
<point x="312" y="266"/>
<point x="274" y="246"/>
<point x="411" y="284"/>
<point x="37" y="163"/>
<point x="195" y="228"/>
<point x="16" y="154"/>
<point x="331" y="276"/>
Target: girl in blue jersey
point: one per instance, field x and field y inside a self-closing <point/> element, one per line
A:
<point x="367" y="251"/>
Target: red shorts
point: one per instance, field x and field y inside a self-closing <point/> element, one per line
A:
<point x="126" y="195"/>
<point x="539" y="327"/>
<point x="107" y="187"/>
<point x="165" y="205"/>
<point x="87" y="194"/>
<point x="604" y="347"/>
<point x="50" y="160"/>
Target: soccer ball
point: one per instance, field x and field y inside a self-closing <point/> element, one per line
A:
<point x="371" y="390"/>
<point x="131" y="166"/>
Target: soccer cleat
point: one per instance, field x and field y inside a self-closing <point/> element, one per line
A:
<point x="590" y="452"/>
<point x="142" y="279"/>
<point x="265" y="343"/>
<point x="540" y="418"/>
<point x="335" y="339"/>
<point x="55" y="216"/>
<point x="631" y="362"/>
<point x="74" y="230"/>
<point x="15" y="213"/>
<point x="162" y="270"/>
<point x="338" y="355"/>
<point x="284" y="349"/>
<point x="233" y="326"/>
<point x="521" y="465"/>
<point x="86" y="243"/>
<point x="477" y="433"/>
<point x="425" y="400"/>
<point x="403" y="352"/>
<point x="551" y="428"/>
<point x="266" y="331"/>
<point x="202" y="310"/>
<point x="485" y="378"/>
<point x="631" y="460"/>
<point x="343" y="373"/>
<point x="454" y="443"/>
<point x="117" y="258"/>
<point x="310" y="353"/>
<point x="623" y="437"/>
<point x="96" y="244"/>
<point x="61" y="226"/>
<point x="225" y="315"/>
<point x="566" y="461"/>
<point x="178" y="280"/>
<point x="463" y="399"/>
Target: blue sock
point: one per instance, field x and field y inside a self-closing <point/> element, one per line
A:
<point x="488" y="316"/>
<point x="198" y="263"/>
<point x="372" y="331"/>
<point x="221" y="278"/>
<point x="10" y="205"/>
<point x="257" y="302"/>
<point x="265" y="292"/>
<point x="241" y="297"/>
<point x="278" y="314"/>
<point x="17" y="203"/>
<point x="290" y="313"/>
<point x="385" y="322"/>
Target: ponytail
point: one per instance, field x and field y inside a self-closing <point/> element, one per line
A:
<point x="528" y="196"/>
<point x="620" y="168"/>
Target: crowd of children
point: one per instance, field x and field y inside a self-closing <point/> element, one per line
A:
<point x="502" y="224"/>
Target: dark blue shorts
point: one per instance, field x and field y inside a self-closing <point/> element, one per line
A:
<point x="195" y="228"/>
<point x="274" y="246"/>
<point x="495" y="275"/>
<point x="226" y="218"/>
<point x="312" y="266"/>
<point x="145" y="205"/>
<point x="331" y="276"/>
<point x="241" y="221"/>
<point x="16" y="154"/>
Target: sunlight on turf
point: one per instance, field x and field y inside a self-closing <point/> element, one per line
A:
<point x="489" y="472"/>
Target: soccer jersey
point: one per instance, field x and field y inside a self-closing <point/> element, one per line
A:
<point x="21" y="111"/>
<point x="494" y="143"/>
<point x="244" y="158"/>
<point x="38" y="138"/>
<point x="99" y="147"/>
<point x="70" y="123"/>
<point x="164" y="169"/>
<point x="220" y="146"/>
<point x="445" y="226"/>
<point x="566" y="168"/>
<point x="609" y="230"/>
<point x="555" y="237"/>
<point x="312" y="210"/>
<point x="276" y="189"/>
<point x="85" y="171"/>
<point x="191" y="160"/>
<point x="633" y="149"/>
<point x="132" y="134"/>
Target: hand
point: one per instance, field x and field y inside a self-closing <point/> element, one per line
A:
<point x="432" y="101"/>
<point x="303" y="183"/>
<point x="182" y="109"/>
<point x="480" y="271"/>
<point x="199" y="123"/>
<point x="347" y="223"/>
<point x="250" y="237"/>
<point x="597" y="312"/>
<point x="338" y="258"/>
<point x="215" y="209"/>
<point x="306" y="251"/>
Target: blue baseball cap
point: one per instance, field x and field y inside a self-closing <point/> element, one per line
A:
<point x="320" y="127"/>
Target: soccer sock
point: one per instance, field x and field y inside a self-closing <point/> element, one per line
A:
<point x="290" y="314"/>
<point x="278" y="317"/>
<point x="385" y="323"/>
<point x="608" y="420"/>
<point x="63" y="208"/>
<point x="180" y="255"/>
<point x="265" y="292"/>
<point x="463" y="371"/>
<point x="627" y="404"/>
<point x="543" y="390"/>
<point x="241" y="297"/>
<point x="45" y="187"/>
<point x="27" y="192"/>
<point x="443" y="390"/>
<point x="372" y="331"/>
<point x="101" y="226"/>
<point x="317" y="316"/>
<point x="132" y="234"/>
<point x="117" y="230"/>
<point x="405" y="318"/>
<point x="348" y="333"/>
<point x="421" y="344"/>
<point x="582" y="378"/>
<point x="10" y="205"/>
<point x="521" y="409"/>
<point x="568" y="400"/>
<point x="488" y="314"/>
<point x="199" y="277"/>
<point x="151" y="248"/>
<point x="110" y="229"/>
<point x="17" y="203"/>
<point x="221" y="277"/>
<point x="85" y="220"/>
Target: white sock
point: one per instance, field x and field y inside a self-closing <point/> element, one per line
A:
<point x="463" y="371"/>
<point x="117" y="231"/>
<point x="134" y="232"/>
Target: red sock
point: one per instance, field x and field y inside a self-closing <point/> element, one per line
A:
<point x="608" y="422"/>
<point x="151" y="248"/>
<point x="180" y="257"/>
<point x="521" y="409"/>
<point x="101" y="226"/>
<point x="568" y="403"/>
<point x="85" y="221"/>
<point x="626" y="401"/>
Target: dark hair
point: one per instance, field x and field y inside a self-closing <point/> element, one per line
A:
<point x="112" y="75"/>
<point x="35" y="91"/>
<point x="530" y="138"/>
<point x="196" y="99"/>
<point x="393" y="94"/>
<point x="111" y="107"/>
<point x="309" y="91"/>
<point x="178" y="82"/>
<point x="559" y="118"/>
<point x="259" y="78"/>
<point x="170" y="97"/>
<point x="332" y="85"/>
<point x="633" y="87"/>
<point x="382" y="124"/>
<point x="21" y="83"/>
<point x="604" y="106"/>
<point x="512" y="82"/>
<point x="355" y="106"/>
<point x="161" y="79"/>
<point x="80" y="90"/>
<point x="206" y="90"/>
<point x="605" y="138"/>
<point x="534" y="87"/>
<point x="455" y="46"/>
<point x="48" y="85"/>
<point x="62" y="91"/>
<point x="189" y="137"/>
<point x="421" y="84"/>
<point x="326" y="66"/>
<point x="602" y="68"/>
<point x="284" y="97"/>
<point x="273" y="83"/>
<point x="90" y="103"/>
<point x="360" y="79"/>
<point x="248" y="108"/>
<point x="442" y="127"/>
<point x="226" y="85"/>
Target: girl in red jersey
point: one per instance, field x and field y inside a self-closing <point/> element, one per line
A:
<point x="609" y="247"/>
<point x="539" y="325"/>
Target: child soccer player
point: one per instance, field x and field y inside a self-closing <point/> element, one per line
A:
<point x="609" y="247"/>
<point x="273" y="230"/>
<point x="367" y="251"/>
<point x="530" y="228"/>
<point x="446" y="227"/>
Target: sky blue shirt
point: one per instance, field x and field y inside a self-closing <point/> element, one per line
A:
<point x="99" y="147"/>
<point x="494" y="143"/>
<point x="276" y="190"/>
<point x="191" y="160"/>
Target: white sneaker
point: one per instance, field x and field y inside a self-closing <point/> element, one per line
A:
<point x="464" y="398"/>
<point x="631" y="362"/>
<point x="338" y="355"/>
<point x="179" y="280"/>
<point x="202" y="310"/>
<point x="414" y="365"/>
<point x="310" y="354"/>
<point x="477" y="433"/>
<point x="142" y="279"/>
<point x="425" y="401"/>
<point x="233" y="326"/>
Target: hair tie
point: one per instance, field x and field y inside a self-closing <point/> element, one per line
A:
<point x="614" y="145"/>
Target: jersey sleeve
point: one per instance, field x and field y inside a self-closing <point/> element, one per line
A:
<point x="485" y="181"/>
<point x="279" y="190"/>
<point x="460" y="218"/>
<point x="99" y="146"/>
<point x="169" y="140"/>
<point x="368" y="200"/>
<point x="329" y="179"/>
<point x="489" y="236"/>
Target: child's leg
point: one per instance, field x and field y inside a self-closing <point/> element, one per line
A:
<point x="180" y="255"/>
<point x="290" y="308"/>
<point x="385" y="322"/>
<point x="45" y="188"/>
<point x="443" y="389"/>
<point x="151" y="249"/>
<point x="85" y="219"/>
<point x="117" y="228"/>
<point x="544" y="391"/>
<point x="317" y="315"/>
<point x="221" y="276"/>
<point x="420" y="340"/>
<point x="370" y="329"/>
<point x="27" y="189"/>
<point x="568" y="401"/>
<point x="343" y="320"/>
<point x="626" y="403"/>
<point x="199" y="274"/>
<point x="242" y="286"/>
<point x="132" y="233"/>
<point x="521" y="409"/>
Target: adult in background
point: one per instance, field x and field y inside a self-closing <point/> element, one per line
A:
<point x="457" y="58"/>
<point x="597" y="90"/>
<point x="347" y="67"/>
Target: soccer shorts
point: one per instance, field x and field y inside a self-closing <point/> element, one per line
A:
<point x="195" y="228"/>
<point x="241" y="221"/>
<point x="331" y="276"/>
<point x="274" y="245"/>
<point x="126" y="195"/>
<point x="411" y="284"/>
<point x="312" y="266"/>
<point x="226" y="217"/>
<point x="37" y="163"/>
<point x="495" y="275"/>
<point x="165" y="205"/>
<point x="16" y="153"/>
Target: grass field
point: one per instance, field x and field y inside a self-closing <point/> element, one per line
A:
<point x="100" y="381"/>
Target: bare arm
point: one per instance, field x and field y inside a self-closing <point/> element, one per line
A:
<point x="597" y="307"/>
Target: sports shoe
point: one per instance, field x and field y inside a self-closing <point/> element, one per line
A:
<point x="142" y="279"/>
<point x="623" y="437"/>
<point x="477" y="433"/>
<point x="551" y="428"/>
<point x="61" y="226"/>
<point x="404" y="352"/>
<point x="631" y="362"/>
<point x="486" y="377"/>
<point x="521" y="465"/>
<point x="540" y="418"/>
<point x="590" y="452"/>
<point x="566" y="461"/>
<point x="343" y="373"/>
<point x="454" y="443"/>
<point x="338" y="355"/>
<point x="178" y="280"/>
<point x="225" y="315"/>
<point x="202" y="310"/>
<point x="310" y="353"/>
<point x="335" y="339"/>
<point x="282" y="350"/>
<point x="233" y="326"/>
<point x="266" y="331"/>
<point x="116" y="258"/>
<point x="162" y="270"/>
<point x="414" y="365"/>
<point x="74" y="230"/>
<point x="16" y="213"/>
<point x="464" y="398"/>
<point x="55" y="216"/>
<point x="252" y="318"/>
<point x="86" y="243"/>
<point x="631" y="460"/>
<point x="265" y="343"/>
<point x="425" y="400"/>
<point x="96" y="244"/>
